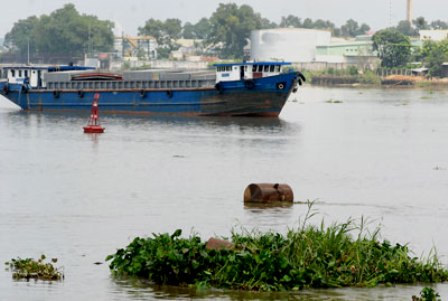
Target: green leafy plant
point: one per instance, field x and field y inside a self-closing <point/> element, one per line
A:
<point x="427" y="294"/>
<point x="339" y="255"/>
<point x="29" y="268"/>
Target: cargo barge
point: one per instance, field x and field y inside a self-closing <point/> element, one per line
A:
<point x="247" y="89"/>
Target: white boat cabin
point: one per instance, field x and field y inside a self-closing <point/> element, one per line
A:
<point x="34" y="76"/>
<point x="248" y="70"/>
<point x="23" y="75"/>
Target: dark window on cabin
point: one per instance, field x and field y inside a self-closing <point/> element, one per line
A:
<point x="260" y="68"/>
<point x="254" y="68"/>
<point x="13" y="73"/>
<point x="39" y="78"/>
<point x="272" y="68"/>
<point x="26" y="73"/>
<point x="229" y="68"/>
<point x="266" y="68"/>
<point x="20" y="73"/>
<point x="277" y="68"/>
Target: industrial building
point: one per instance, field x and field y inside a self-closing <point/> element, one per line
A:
<point x="312" y="46"/>
<point x="288" y="44"/>
<point x="436" y="35"/>
<point x="358" y="51"/>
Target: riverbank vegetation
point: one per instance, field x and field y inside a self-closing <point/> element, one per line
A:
<point x="427" y="294"/>
<point x="350" y="76"/>
<point x="340" y="255"/>
<point x="29" y="268"/>
<point x="65" y="33"/>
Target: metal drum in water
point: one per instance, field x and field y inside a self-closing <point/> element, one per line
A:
<point x="268" y="192"/>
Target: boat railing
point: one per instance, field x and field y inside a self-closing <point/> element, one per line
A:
<point x="130" y="85"/>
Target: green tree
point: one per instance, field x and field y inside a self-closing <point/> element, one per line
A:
<point x="406" y="28"/>
<point x="173" y="28"/>
<point x="231" y="27"/>
<point x="421" y="24"/>
<point x="308" y="23"/>
<point x="200" y="30"/>
<point x="267" y="24"/>
<point x="321" y="24"/>
<point x="63" y="34"/>
<point x="291" y="21"/>
<point x="188" y="31"/>
<point x="165" y="32"/>
<point x="438" y="24"/>
<point x="351" y="28"/>
<point x="20" y="35"/>
<point x="393" y="47"/>
<point x="433" y="55"/>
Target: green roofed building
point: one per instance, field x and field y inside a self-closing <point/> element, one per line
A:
<point x="358" y="51"/>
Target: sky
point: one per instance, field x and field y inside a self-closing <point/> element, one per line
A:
<point x="131" y="14"/>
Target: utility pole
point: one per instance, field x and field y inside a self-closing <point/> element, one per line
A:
<point x="390" y="12"/>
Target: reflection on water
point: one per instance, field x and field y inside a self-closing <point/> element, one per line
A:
<point x="140" y="290"/>
<point x="79" y="197"/>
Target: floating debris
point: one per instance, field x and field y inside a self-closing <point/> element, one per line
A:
<point x="29" y="268"/>
<point x="334" y="101"/>
<point x="268" y="193"/>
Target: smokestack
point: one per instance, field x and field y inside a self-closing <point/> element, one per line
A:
<point x="410" y="11"/>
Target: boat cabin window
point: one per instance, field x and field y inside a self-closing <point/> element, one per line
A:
<point x="277" y="68"/>
<point x="26" y="73"/>
<point x="20" y="73"/>
<point x="266" y="68"/>
<point x="13" y="73"/>
<point x="260" y="68"/>
<point x="223" y="68"/>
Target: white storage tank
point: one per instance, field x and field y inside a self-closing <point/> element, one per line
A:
<point x="289" y="44"/>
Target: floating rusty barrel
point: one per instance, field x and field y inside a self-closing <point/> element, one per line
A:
<point x="268" y="192"/>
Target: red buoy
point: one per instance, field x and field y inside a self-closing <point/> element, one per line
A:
<point x="94" y="127"/>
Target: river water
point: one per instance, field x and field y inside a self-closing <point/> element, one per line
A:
<point x="381" y="154"/>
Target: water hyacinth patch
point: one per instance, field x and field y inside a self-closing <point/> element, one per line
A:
<point x="307" y="257"/>
<point x="29" y="268"/>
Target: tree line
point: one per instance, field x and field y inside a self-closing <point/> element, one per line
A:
<point x="396" y="50"/>
<point x="67" y="33"/>
<point x="228" y="29"/>
<point x="63" y="33"/>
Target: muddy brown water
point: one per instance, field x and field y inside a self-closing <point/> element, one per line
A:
<point x="381" y="154"/>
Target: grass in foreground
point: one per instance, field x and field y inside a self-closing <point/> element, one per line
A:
<point x="307" y="257"/>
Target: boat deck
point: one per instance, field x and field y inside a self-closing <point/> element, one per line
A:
<point x="132" y="84"/>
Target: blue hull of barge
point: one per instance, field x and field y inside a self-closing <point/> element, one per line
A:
<point x="260" y="97"/>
